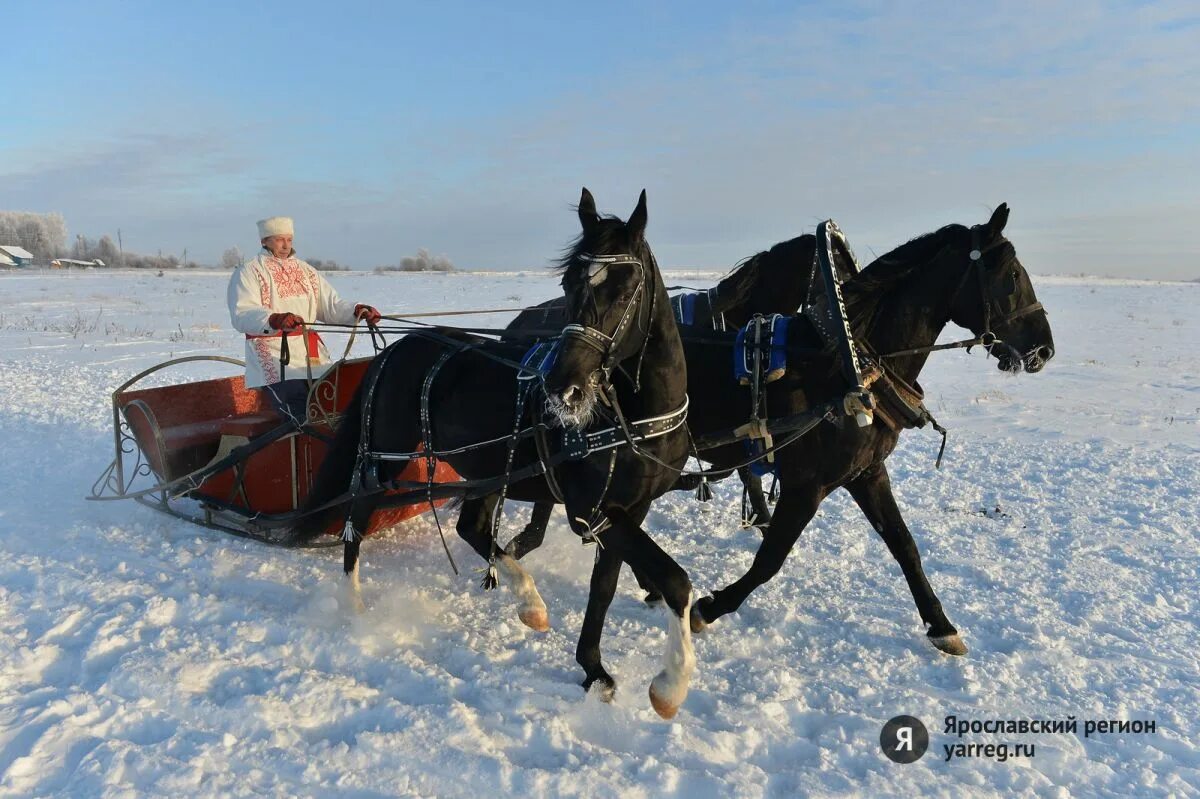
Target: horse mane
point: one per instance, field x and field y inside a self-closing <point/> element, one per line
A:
<point x="738" y="283"/>
<point x="608" y="236"/>
<point x="865" y="291"/>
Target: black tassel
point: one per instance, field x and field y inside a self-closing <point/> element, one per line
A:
<point x="703" y="491"/>
<point x="773" y="494"/>
<point x="490" y="578"/>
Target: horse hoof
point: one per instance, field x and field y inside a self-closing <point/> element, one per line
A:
<point x="696" y="619"/>
<point x="535" y="619"/>
<point x="950" y="644"/>
<point x="604" y="691"/>
<point x="603" y="688"/>
<point x="666" y="702"/>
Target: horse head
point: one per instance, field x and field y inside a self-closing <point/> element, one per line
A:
<point x="995" y="300"/>
<point x="610" y="282"/>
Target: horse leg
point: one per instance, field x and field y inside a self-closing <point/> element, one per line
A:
<point x="475" y="527"/>
<point x="630" y="542"/>
<point x="652" y="597"/>
<point x="872" y="490"/>
<point x="534" y="533"/>
<point x="793" y="513"/>
<point x="605" y="572"/>
<point x="758" y="500"/>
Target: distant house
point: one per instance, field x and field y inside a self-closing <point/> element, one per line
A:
<point x="59" y="263"/>
<point x="15" y="256"/>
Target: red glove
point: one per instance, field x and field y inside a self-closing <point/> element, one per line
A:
<point x="367" y="313"/>
<point x="287" y="322"/>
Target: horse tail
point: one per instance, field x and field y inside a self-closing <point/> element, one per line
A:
<point x="333" y="477"/>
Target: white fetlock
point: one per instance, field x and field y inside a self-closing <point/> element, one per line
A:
<point x="532" y="613"/>
<point x="669" y="688"/>
<point x="351" y="593"/>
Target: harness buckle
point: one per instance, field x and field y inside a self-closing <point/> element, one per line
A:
<point x="860" y="405"/>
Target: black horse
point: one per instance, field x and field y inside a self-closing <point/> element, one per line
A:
<point x="900" y="302"/>
<point x="774" y="281"/>
<point x="619" y="368"/>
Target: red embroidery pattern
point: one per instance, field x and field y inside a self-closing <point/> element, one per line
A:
<point x="289" y="278"/>
<point x="266" y="359"/>
<point x="264" y="290"/>
<point x="315" y="285"/>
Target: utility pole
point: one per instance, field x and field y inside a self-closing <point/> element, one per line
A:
<point x="121" y="247"/>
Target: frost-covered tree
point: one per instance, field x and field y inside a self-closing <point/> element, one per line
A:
<point x="44" y="235"/>
<point x="423" y="261"/>
<point x="232" y="258"/>
<point x="326" y="265"/>
<point x="106" y="251"/>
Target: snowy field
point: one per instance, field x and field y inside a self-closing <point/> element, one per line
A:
<point x="141" y="656"/>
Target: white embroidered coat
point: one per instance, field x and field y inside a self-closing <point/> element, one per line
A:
<point x="267" y="285"/>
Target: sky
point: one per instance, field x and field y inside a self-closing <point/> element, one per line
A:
<point x="468" y="129"/>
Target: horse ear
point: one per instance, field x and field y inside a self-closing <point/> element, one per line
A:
<point x="998" y="221"/>
<point x="637" y="220"/>
<point x="587" y="210"/>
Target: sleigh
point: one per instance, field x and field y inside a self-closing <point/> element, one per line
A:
<point x="217" y="454"/>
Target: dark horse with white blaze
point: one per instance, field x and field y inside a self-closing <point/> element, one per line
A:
<point x="902" y="301"/>
<point x="620" y="364"/>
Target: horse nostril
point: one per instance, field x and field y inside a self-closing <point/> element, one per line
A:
<point x="1045" y="353"/>
<point x="571" y="395"/>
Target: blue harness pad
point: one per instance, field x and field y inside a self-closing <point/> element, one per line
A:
<point x="539" y="360"/>
<point x="774" y="349"/>
<point x="761" y="467"/>
<point x="684" y="306"/>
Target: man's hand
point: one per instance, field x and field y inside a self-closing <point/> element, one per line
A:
<point x="287" y="322"/>
<point x="367" y="313"/>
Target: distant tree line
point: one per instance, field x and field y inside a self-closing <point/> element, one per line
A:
<point x="45" y="237"/>
<point x="326" y="265"/>
<point x="421" y="262"/>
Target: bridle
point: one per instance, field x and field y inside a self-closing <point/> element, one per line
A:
<point x="987" y="338"/>
<point x="986" y="301"/>
<point x="608" y="345"/>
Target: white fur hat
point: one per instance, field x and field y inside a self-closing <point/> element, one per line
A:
<point x="275" y="226"/>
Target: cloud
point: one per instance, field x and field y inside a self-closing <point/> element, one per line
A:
<point x="891" y="120"/>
